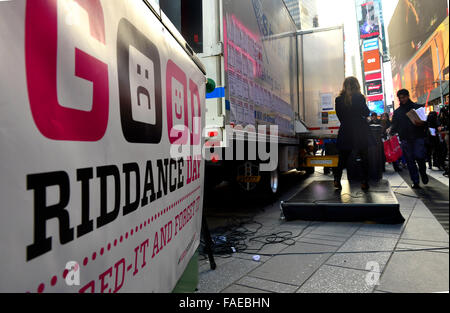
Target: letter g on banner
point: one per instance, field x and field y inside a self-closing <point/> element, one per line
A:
<point x="41" y="50"/>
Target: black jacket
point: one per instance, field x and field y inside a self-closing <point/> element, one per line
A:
<point x="354" y="132"/>
<point x="402" y="125"/>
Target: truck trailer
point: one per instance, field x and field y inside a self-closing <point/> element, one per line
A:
<point x="267" y="73"/>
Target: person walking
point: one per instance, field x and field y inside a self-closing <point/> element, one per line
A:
<point x="444" y="118"/>
<point x="354" y="133"/>
<point x="412" y="137"/>
<point x="435" y="156"/>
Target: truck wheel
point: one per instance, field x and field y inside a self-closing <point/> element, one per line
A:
<point x="310" y="170"/>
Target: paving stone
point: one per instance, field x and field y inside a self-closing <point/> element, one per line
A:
<point x="366" y="243"/>
<point x="425" y="243"/>
<point x="242" y="289"/>
<point x="376" y="234"/>
<point x="267" y="285"/>
<point x="421" y="211"/>
<point x="381" y="291"/>
<point x="425" y="229"/>
<point x="320" y="241"/>
<point x="204" y="265"/>
<point x="326" y="237"/>
<point x="332" y="279"/>
<point x="338" y="229"/>
<point x="361" y="260"/>
<point x="403" y="247"/>
<point x="406" y="213"/>
<point x="416" y="272"/>
<point x="294" y="269"/>
<point x="224" y="275"/>
<point x="406" y="202"/>
<point x="381" y="228"/>
<point x="268" y="249"/>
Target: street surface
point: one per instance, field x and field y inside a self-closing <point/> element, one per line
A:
<point x="332" y="257"/>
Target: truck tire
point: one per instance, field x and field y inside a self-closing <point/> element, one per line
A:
<point x="310" y="170"/>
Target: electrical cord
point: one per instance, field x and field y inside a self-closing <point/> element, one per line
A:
<point x="236" y="233"/>
<point x="234" y="237"/>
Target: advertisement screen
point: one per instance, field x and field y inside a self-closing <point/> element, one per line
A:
<point x="413" y="22"/>
<point x="370" y="44"/>
<point x="377" y="107"/>
<point x="374" y="87"/>
<point x="372" y="61"/>
<point x="421" y="74"/>
<point x="369" y="25"/>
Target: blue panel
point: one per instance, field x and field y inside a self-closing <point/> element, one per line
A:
<point x="217" y="93"/>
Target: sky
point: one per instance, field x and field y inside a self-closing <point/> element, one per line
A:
<point x="343" y="12"/>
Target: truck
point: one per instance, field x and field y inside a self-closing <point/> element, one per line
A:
<point x="93" y="196"/>
<point x="267" y="73"/>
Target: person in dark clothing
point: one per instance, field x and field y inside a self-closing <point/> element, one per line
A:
<point x="435" y="153"/>
<point x="444" y="118"/>
<point x="374" y="119"/>
<point x="354" y="133"/>
<point x="412" y="138"/>
<point x="385" y="124"/>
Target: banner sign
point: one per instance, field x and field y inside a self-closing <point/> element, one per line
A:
<point x="94" y="97"/>
<point x="374" y="76"/>
<point x="374" y="87"/>
<point x="369" y="25"/>
<point x="372" y="61"/>
<point x="371" y="44"/>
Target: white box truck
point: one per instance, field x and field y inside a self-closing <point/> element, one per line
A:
<point x="267" y="73"/>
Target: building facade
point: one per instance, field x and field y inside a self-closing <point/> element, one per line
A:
<point x="304" y="13"/>
<point x="294" y="9"/>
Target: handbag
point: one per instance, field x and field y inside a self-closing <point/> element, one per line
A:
<point x="392" y="149"/>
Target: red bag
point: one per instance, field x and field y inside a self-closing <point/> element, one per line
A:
<point x="392" y="150"/>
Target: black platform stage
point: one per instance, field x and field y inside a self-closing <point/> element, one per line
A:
<point x="320" y="201"/>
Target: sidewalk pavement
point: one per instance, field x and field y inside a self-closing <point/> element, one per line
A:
<point x="317" y="264"/>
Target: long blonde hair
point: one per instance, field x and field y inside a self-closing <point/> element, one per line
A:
<point x="351" y="87"/>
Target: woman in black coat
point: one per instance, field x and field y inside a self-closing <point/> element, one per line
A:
<point x="354" y="133"/>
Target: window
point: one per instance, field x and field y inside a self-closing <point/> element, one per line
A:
<point x="187" y="16"/>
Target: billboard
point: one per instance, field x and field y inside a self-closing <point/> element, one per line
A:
<point x="373" y="76"/>
<point x="371" y="44"/>
<point x="421" y="73"/>
<point x="376" y="106"/>
<point x="369" y="25"/>
<point x="372" y="61"/>
<point x="374" y="87"/>
<point x="413" y="22"/>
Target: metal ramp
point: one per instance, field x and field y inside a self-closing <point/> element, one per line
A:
<point x="320" y="201"/>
